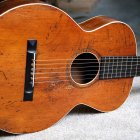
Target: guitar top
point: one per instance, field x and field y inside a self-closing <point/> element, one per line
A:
<point x="49" y="64"/>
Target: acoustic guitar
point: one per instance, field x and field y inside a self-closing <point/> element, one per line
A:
<point x="49" y="64"/>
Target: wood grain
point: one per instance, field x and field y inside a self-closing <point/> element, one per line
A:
<point x="59" y="37"/>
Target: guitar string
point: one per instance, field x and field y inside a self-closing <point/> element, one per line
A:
<point x="88" y="59"/>
<point x="46" y="69"/>
<point x="50" y="81"/>
<point x="85" y="67"/>
<point x="61" y="72"/>
<point x="101" y="58"/>
<point x="101" y="66"/>
<point x="86" y="75"/>
<point x="65" y="76"/>
<point x="68" y="76"/>
<point x="80" y="75"/>
<point x="128" y="68"/>
<point x="56" y="81"/>
<point x="84" y="63"/>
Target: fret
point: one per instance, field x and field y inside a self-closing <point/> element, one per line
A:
<point x="137" y="66"/>
<point x="104" y="66"/>
<point x="108" y="67"/>
<point x="126" y="66"/>
<point x="116" y="68"/>
<point x="119" y="67"/>
<point x="131" y="67"/>
<point x="112" y="71"/>
<point x="118" y="71"/>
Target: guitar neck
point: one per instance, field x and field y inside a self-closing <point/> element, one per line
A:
<point x="119" y="67"/>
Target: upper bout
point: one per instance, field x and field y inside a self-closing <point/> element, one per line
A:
<point x="96" y="22"/>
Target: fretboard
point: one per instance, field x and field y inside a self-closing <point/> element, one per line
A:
<point x="119" y="67"/>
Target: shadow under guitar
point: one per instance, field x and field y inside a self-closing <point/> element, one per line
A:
<point x="4" y="134"/>
<point x="83" y="109"/>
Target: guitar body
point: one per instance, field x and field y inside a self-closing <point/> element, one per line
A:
<point x="59" y="37"/>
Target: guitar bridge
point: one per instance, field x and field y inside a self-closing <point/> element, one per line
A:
<point x="30" y="70"/>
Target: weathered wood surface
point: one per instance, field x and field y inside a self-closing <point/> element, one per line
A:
<point x="59" y="37"/>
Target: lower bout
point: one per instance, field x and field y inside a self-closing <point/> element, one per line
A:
<point x="108" y="95"/>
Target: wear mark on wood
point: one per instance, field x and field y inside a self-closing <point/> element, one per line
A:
<point x="54" y="85"/>
<point x="1" y="53"/>
<point x="1" y="72"/>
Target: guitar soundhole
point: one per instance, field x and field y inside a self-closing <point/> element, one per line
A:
<point x="84" y="68"/>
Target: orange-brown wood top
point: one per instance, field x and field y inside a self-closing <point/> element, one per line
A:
<point x="59" y="37"/>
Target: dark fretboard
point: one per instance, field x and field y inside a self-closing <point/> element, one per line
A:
<point x="119" y="67"/>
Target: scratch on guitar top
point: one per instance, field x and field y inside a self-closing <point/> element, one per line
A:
<point x="69" y="87"/>
<point x="3" y="75"/>
<point x="123" y="88"/>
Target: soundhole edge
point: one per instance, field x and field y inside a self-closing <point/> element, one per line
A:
<point x="84" y="68"/>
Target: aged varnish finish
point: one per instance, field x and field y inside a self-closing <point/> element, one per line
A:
<point x="60" y="41"/>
